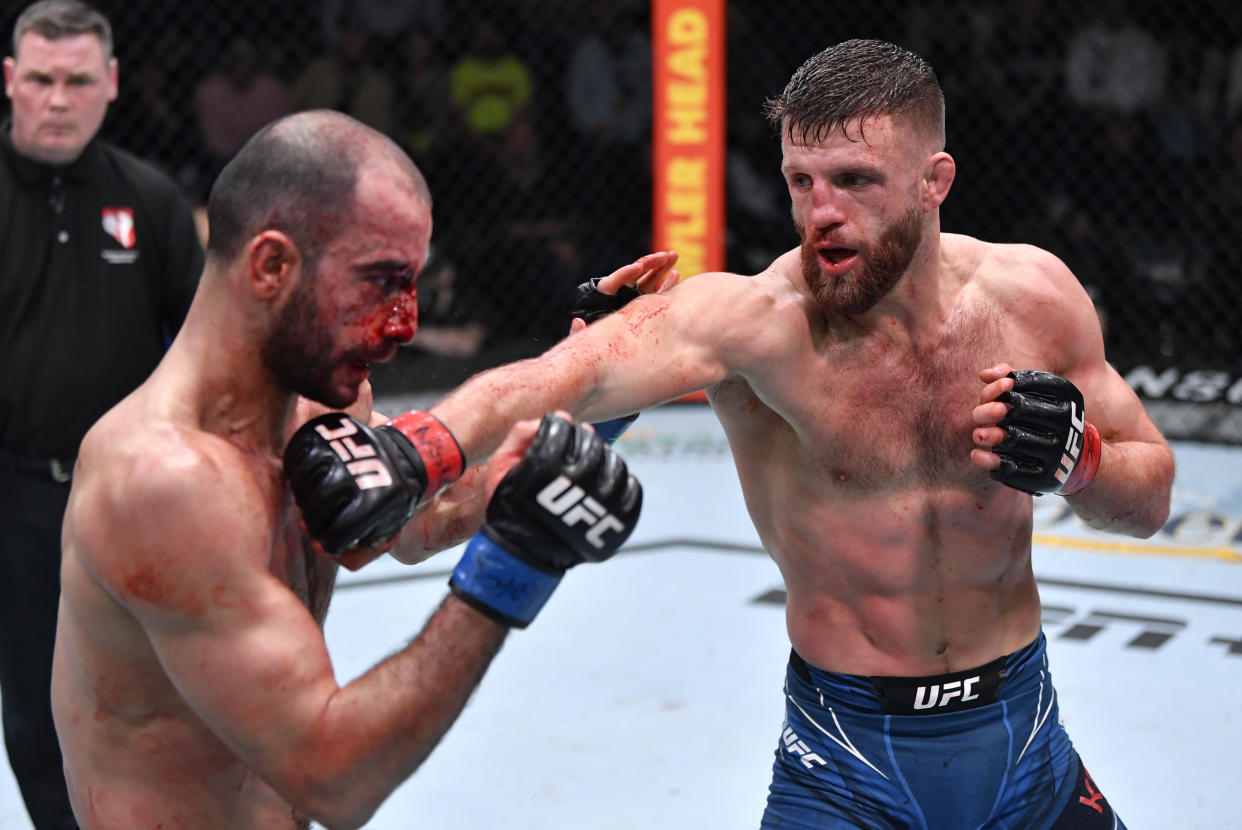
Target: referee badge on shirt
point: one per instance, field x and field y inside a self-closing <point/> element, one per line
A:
<point x="118" y="223"/>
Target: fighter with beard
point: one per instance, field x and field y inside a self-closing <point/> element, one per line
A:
<point x="887" y="451"/>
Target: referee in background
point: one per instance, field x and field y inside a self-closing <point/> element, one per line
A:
<point x="99" y="258"/>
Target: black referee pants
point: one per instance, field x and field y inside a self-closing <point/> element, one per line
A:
<point x="31" y="510"/>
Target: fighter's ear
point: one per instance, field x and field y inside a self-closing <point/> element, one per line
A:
<point x="273" y="262"/>
<point x="938" y="173"/>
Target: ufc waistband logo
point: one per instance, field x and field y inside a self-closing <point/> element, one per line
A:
<point x="936" y="695"/>
<point x="360" y="459"/>
<point x="570" y="502"/>
<point x="1073" y="443"/>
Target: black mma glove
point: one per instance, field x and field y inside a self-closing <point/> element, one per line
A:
<point x="1049" y="446"/>
<point x="591" y="304"/>
<point x="570" y="500"/>
<point x="358" y="486"/>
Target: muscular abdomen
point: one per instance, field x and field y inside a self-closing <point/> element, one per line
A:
<point x="899" y="556"/>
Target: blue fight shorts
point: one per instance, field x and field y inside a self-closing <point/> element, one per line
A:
<point x="970" y="750"/>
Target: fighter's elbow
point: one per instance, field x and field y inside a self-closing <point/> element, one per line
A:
<point x="1147" y="525"/>
<point x="325" y="780"/>
<point x="335" y="819"/>
<point x="328" y="803"/>
<point x="1160" y="497"/>
<point x="1154" y="518"/>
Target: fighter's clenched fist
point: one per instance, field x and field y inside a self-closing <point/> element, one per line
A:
<point x="570" y="500"/>
<point x="358" y="486"/>
<point x="1043" y="441"/>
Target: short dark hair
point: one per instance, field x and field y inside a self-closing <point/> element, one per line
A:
<point x="297" y="175"/>
<point x="858" y="79"/>
<point x="54" y="19"/>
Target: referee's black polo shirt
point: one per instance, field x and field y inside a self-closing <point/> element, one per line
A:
<point x="99" y="260"/>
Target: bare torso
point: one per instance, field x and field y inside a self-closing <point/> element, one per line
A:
<point x="899" y="556"/>
<point x="136" y="754"/>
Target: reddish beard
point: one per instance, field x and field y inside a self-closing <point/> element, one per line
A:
<point x="881" y="266"/>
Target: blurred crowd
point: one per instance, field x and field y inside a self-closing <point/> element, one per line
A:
<point x="1108" y="132"/>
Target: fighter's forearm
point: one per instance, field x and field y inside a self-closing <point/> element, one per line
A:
<point x="375" y="732"/>
<point x="481" y="411"/>
<point x="450" y="519"/>
<point x="635" y="358"/>
<point x="1131" y="491"/>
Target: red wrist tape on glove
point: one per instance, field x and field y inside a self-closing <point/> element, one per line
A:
<point x="1088" y="462"/>
<point x="440" y="451"/>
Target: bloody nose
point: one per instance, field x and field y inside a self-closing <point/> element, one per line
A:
<point x="402" y="322"/>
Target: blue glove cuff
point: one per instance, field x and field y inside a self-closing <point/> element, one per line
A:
<point x="611" y="430"/>
<point x="499" y="584"/>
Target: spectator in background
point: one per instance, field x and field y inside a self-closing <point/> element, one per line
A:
<point x="235" y="100"/>
<point x="98" y="262"/>
<point x="491" y="89"/>
<point x="608" y="81"/>
<point x="490" y="85"/>
<point x="347" y="80"/>
<point x="1112" y="64"/>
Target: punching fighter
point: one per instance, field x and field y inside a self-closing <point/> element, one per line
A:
<point x="895" y="397"/>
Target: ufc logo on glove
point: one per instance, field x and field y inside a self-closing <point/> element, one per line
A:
<point x="1073" y="443"/>
<point x="1049" y="446"/>
<point x="360" y="458"/>
<point x="567" y="500"/>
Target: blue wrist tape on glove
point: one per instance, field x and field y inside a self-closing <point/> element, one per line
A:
<point x="507" y="587"/>
<point x="611" y="430"/>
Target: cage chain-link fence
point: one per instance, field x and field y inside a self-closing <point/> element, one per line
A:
<point x="1109" y="133"/>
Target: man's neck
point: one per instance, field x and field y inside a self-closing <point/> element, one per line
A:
<point x="232" y="392"/>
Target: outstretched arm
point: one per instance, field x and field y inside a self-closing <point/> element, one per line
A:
<point x="456" y="513"/>
<point x="658" y="347"/>
<point x="358" y="487"/>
